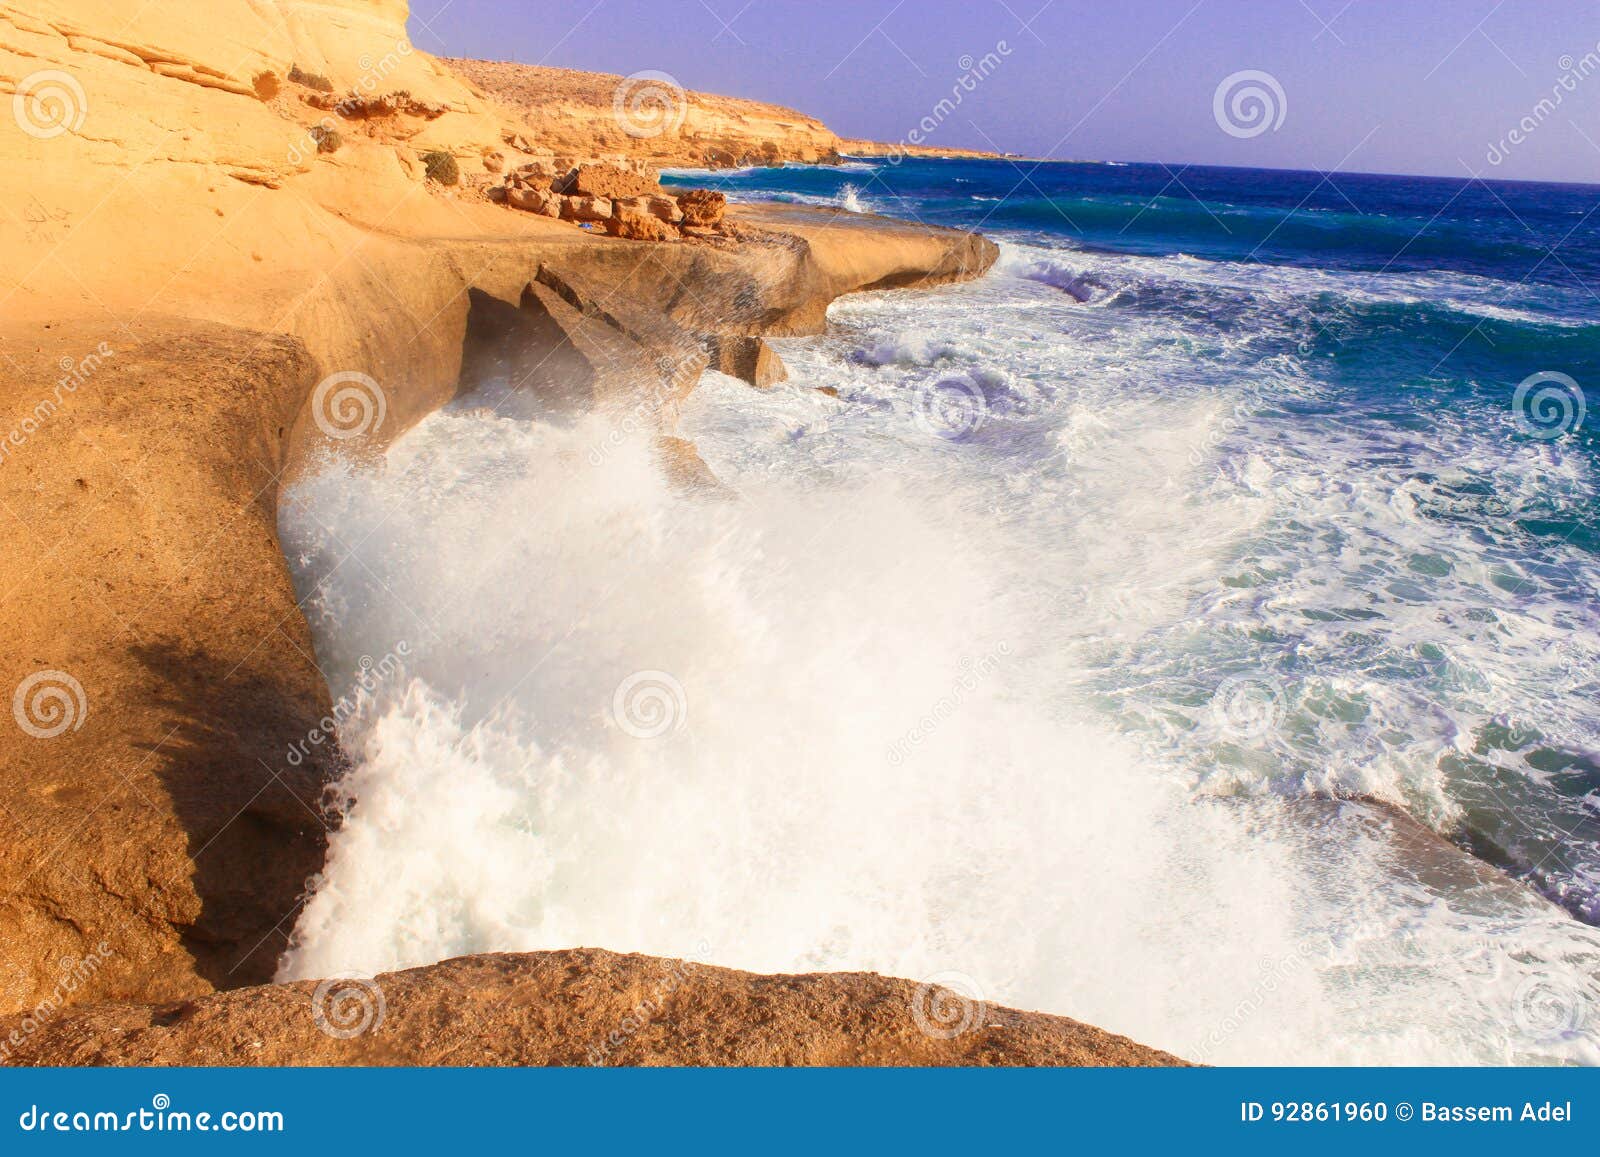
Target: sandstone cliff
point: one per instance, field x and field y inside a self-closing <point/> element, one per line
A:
<point x="651" y="117"/>
<point x="232" y="243"/>
<point x="856" y="147"/>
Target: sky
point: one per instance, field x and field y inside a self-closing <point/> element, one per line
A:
<point x="1506" y="89"/>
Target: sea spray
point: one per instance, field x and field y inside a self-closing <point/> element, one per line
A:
<point x="1253" y="534"/>
<point x="495" y="805"/>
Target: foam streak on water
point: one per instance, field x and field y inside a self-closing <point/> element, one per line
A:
<point x="1039" y="698"/>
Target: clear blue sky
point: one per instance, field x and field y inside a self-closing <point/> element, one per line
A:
<point x="1399" y="86"/>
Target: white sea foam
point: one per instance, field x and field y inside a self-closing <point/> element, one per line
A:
<point x="963" y="703"/>
<point x="850" y="198"/>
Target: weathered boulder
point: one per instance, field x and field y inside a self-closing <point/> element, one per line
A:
<point x="664" y="208"/>
<point x="686" y="470"/>
<point x="631" y="225"/>
<point x="536" y="174"/>
<point x="634" y="165"/>
<point x="703" y="208"/>
<point x="585" y="208"/>
<point x="749" y="359"/>
<point x="608" y="182"/>
<point x="528" y="187"/>
<point x="579" y="337"/>
<point x="541" y="201"/>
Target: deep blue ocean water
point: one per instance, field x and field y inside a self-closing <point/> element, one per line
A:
<point x="1512" y="231"/>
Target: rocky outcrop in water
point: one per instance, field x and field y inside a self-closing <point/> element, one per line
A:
<point x="749" y="359"/>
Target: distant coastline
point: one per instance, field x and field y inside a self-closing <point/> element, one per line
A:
<point x="865" y="148"/>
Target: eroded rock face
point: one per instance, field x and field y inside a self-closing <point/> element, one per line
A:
<point x="362" y="106"/>
<point x="585" y="208"/>
<point x="632" y="225"/>
<point x="663" y="208"/>
<point x="533" y="175"/>
<point x="540" y="201"/>
<point x="149" y="848"/>
<point x="578" y="112"/>
<point x="608" y="182"/>
<point x="581" y="1007"/>
<point x="748" y="358"/>
<point x="702" y="208"/>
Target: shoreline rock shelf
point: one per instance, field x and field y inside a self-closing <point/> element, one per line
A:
<point x="579" y="1007"/>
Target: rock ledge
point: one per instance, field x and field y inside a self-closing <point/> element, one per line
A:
<point x="577" y="1007"/>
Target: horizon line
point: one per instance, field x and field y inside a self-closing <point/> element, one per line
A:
<point x="1021" y="157"/>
